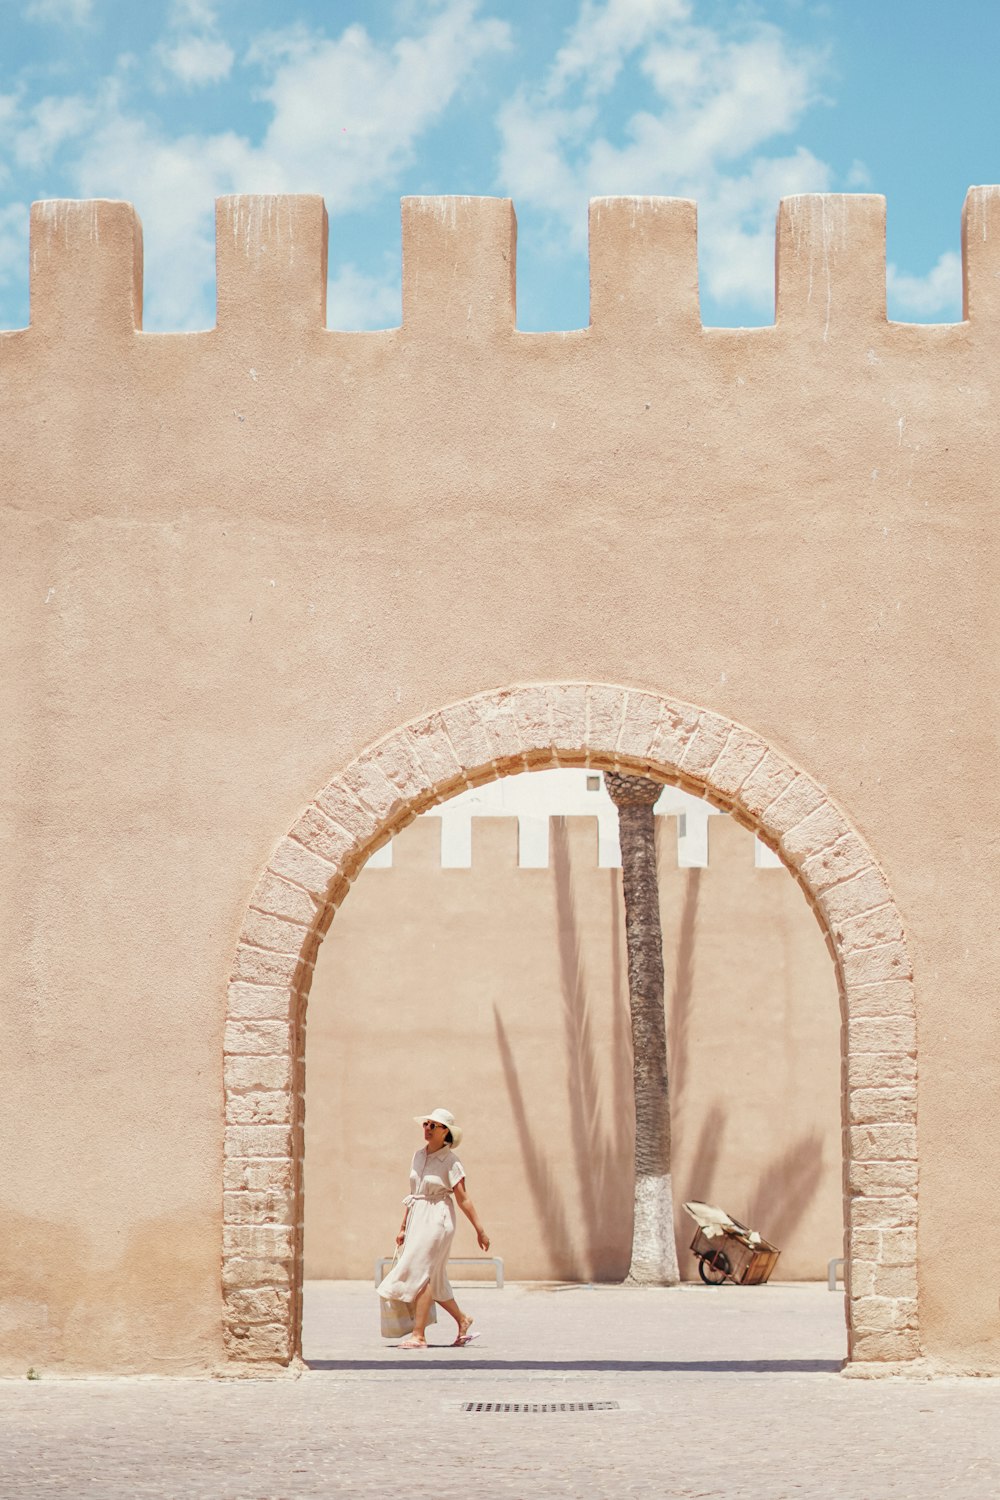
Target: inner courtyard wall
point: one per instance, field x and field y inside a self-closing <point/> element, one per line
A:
<point x="500" y="992"/>
<point x="235" y="558"/>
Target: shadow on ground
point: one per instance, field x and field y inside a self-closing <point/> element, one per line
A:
<point x="631" y="1366"/>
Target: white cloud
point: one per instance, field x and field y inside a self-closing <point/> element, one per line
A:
<point x="940" y="291"/>
<point x="198" y="59"/>
<point x="174" y="183"/>
<point x="355" y="300"/>
<point x="604" y="35"/>
<point x="346" y="118"/>
<point x="714" y="100"/>
<point x="348" y="113"/>
<point x="59" y="12"/>
<point x="13" y="242"/>
<point x="197" y="55"/>
<point x="51" y="123"/>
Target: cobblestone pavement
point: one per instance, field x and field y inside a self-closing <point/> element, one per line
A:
<point x="726" y="1392"/>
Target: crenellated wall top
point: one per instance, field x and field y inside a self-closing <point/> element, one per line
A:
<point x="458" y="270"/>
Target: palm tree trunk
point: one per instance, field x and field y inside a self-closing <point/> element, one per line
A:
<point x="654" y="1251"/>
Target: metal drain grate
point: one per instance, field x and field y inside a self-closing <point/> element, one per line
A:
<point x="540" y="1406"/>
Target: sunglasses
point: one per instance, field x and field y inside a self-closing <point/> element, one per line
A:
<point x="434" y="1125"/>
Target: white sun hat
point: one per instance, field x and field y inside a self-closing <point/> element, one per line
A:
<point x="443" y="1117"/>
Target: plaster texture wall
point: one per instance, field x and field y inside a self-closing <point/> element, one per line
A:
<point x="502" y="992"/>
<point x="240" y="562"/>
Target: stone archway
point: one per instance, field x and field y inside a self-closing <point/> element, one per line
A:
<point x="530" y="727"/>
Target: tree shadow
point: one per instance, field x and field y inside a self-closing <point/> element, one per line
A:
<point x="682" y="992"/>
<point x="542" y="1183"/>
<point x="604" y="1180"/>
<point x="786" y="1188"/>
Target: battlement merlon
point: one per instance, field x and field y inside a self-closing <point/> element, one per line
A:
<point x="459" y="267"/>
<point x="981" y="254"/>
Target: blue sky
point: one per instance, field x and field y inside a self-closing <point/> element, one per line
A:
<point x="172" y="102"/>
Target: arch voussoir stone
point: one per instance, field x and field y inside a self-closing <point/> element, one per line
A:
<point x="532" y="726"/>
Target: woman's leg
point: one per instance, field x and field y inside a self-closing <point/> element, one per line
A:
<point x="421" y="1312"/>
<point x="464" y="1322"/>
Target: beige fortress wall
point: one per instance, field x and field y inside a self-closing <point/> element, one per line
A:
<point x="501" y="992"/>
<point x="237" y="559"/>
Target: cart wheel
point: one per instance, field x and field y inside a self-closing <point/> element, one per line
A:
<point x="714" y="1267"/>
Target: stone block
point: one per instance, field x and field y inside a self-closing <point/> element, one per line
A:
<point x="261" y="1002"/>
<point x="258" y="1241"/>
<point x="279" y="898"/>
<point x="500" y="727"/>
<point x="400" y="767"/>
<point x="863" y="892"/>
<point x="365" y="781"/>
<point x="239" y="1272"/>
<point x="259" y="1108"/>
<point x="878" y="1070"/>
<point x="318" y="832"/>
<point x="258" y="1174"/>
<point x="348" y="813"/>
<point x="259" y="1343"/>
<point x="266" y="1304"/>
<point x="895" y="997"/>
<point x="678" y="724"/>
<point x="869" y="930"/>
<point x="705" y="746"/>
<point x="639" y="728"/>
<point x="882" y="1213"/>
<point x="740" y="755"/>
<point x="429" y="744"/>
<point x="464" y="728"/>
<point x="895" y="1347"/>
<point x="296" y="862"/>
<point x="866" y="1244"/>
<point x="245" y="1073"/>
<point x="885" y="1143"/>
<point x="876" y="965"/>
<point x="899" y="1248"/>
<point x="861" y="1278"/>
<point x="883" y="1106"/>
<point x="881" y="1034"/>
<point x="256" y="967"/>
<point x="261" y="930"/>
<point x="268" y="1207"/>
<point x="637" y="736"/>
<point x="765" y="784"/>
<point x="821" y="828"/>
<point x="800" y="798"/>
<point x="568" y="716"/>
<point x="839" y="862"/>
<point x="257" y="1038"/>
<point x="258" y="1140"/>
<point x="899" y="1282"/>
<point x="878" y="1314"/>
<point x="882" y="1179"/>
<point x="530" y="708"/>
<point x="605" y="716"/>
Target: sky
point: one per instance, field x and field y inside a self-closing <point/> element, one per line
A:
<point x="170" y="103"/>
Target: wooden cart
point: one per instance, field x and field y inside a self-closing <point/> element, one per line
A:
<point x="727" y="1250"/>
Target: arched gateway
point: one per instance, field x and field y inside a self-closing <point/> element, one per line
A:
<point x="524" y="728"/>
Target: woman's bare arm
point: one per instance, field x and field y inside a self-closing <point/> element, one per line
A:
<point x="468" y="1208"/>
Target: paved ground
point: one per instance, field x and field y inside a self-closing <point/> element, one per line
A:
<point x="723" y="1392"/>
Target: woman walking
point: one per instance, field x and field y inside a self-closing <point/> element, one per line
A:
<point x="437" y="1183"/>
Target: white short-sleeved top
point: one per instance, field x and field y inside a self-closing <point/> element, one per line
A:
<point x="435" y="1174"/>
